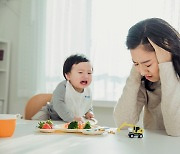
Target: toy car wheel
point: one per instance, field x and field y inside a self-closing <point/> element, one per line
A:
<point x="140" y="136"/>
<point x="131" y="135"/>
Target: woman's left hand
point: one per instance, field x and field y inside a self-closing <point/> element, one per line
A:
<point x="161" y="54"/>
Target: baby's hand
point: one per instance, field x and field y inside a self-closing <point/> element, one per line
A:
<point x="89" y="115"/>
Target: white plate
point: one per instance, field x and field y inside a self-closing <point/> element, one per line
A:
<point x="47" y="130"/>
<point x="92" y="132"/>
<point x="63" y="129"/>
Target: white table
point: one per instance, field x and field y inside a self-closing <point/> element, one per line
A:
<point x="27" y="140"/>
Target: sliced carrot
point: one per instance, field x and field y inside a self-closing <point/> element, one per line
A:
<point x="66" y="125"/>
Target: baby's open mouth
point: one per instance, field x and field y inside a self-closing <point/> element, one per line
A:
<point x="83" y="82"/>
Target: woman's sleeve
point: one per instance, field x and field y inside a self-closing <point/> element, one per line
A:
<point x="170" y="101"/>
<point x="131" y="102"/>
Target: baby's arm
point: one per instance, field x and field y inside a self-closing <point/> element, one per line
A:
<point x="129" y="105"/>
<point x="170" y="102"/>
<point x="59" y="104"/>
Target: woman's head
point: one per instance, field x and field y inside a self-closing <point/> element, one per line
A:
<point x="162" y="34"/>
<point x="78" y="71"/>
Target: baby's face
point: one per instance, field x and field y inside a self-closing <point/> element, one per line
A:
<point x="80" y="76"/>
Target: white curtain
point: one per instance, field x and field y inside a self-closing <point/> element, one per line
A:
<point x="111" y="20"/>
<point x="67" y="32"/>
<point x="31" y="54"/>
<point x="97" y="28"/>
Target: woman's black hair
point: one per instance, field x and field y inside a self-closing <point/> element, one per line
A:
<point x="71" y="60"/>
<point x="162" y="34"/>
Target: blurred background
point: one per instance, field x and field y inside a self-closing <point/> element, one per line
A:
<point x="38" y="35"/>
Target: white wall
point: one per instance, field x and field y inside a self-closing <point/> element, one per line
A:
<point x="10" y="13"/>
<point x="9" y="30"/>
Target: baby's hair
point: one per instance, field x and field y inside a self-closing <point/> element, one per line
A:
<point x="71" y="60"/>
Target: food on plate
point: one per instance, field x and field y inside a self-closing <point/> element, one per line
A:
<point x="73" y="125"/>
<point x="45" y="124"/>
<point x="87" y="125"/>
<point x="111" y="132"/>
<point x="78" y="125"/>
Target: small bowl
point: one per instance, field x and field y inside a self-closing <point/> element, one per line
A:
<point x="7" y="124"/>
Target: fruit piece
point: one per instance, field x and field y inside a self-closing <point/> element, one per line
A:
<point x="81" y="125"/>
<point x="41" y="123"/>
<point x="46" y="126"/>
<point x="66" y="125"/>
<point x="50" y="123"/>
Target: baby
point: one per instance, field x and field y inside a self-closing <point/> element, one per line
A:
<point x="72" y="98"/>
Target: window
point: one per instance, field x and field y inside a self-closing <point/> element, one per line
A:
<point x="98" y="28"/>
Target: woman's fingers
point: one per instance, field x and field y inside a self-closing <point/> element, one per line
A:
<point x="161" y="54"/>
<point x="153" y="44"/>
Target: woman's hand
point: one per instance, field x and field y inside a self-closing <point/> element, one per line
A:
<point x="161" y="54"/>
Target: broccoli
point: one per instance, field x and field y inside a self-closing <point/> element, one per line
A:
<point x="87" y="125"/>
<point x="73" y="125"/>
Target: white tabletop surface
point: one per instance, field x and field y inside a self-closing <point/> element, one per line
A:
<point x="27" y="139"/>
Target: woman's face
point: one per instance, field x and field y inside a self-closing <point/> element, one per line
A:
<point x="146" y="63"/>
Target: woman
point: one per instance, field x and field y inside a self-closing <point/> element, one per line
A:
<point x="154" y="79"/>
